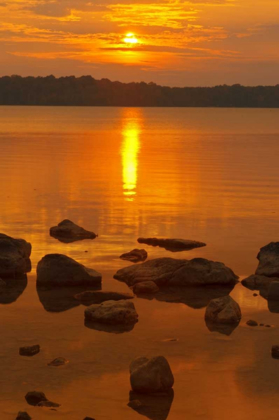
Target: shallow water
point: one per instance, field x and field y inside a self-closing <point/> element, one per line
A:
<point x="204" y="174"/>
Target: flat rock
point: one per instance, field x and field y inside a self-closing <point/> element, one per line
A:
<point x="67" y="231"/>
<point x="273" y="291"/>
<point x="177" y="272"/>
<point x="145" y="287"/>
<point x="252" y="323"/>
<point x="35" y="397"/>
<point x="22" y="415"/>
<point x="269" y="260"/>
<point x="149" y="376"/>
<point x="136" y="255"/>
<point x="29" y="350"/>
<point x="59" y="361"/>
<point x="14" y="256"/>
<point x="256" y="282"/>
<point x="172" y="244"/>
<point x="223" y="310"/>
<point x="112" y="313"/>
<point x="275" y="352"/>
<point x="56" y="270"/>
<point x="99" y="296"/>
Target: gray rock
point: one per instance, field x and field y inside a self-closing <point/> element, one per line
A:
<point x="22" y="415"/>
<point x="149" y="376"/>
<point x="99" y="296"/>
<point x="14" y="256"/>
<point x="59" y="361"/>
<point x="145" y="287"/>
<point x="275" y="352"/>
<point x="112" y="313"/>
<point x="273" y="291"/>
<point x="56" y="270"/>
<point x="172" y="244"/>
<point x="252" y="323"/>
<point x="223" y="310"/>
<point x="35" y="397"/>
<point x="135" y="255"/>
<point x="29" y="350"/>
<point x="256" y="282"/>
<point x="269" y="260"/>
<point x="67" y="232"/>
<point x="174" y="272"/>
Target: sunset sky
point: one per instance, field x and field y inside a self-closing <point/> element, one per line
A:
<point x="176" y="43"/>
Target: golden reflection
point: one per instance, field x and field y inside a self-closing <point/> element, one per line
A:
<point x="129" y="152"/>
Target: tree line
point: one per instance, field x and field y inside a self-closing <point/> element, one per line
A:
<point x="87" y="91"/>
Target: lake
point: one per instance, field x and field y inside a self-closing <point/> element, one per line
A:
<point x="205" y="174"/>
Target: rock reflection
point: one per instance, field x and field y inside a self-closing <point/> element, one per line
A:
<point x="226" y="329"/>
<point x="115" y="329"/>
<point x="154" y="407"/>
<point x="60" y="299"/>
<point x="11" y="289"/>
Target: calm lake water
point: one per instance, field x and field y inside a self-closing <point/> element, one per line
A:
<point x="204" y="174"/>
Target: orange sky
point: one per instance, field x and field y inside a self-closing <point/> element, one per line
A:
<point x="196" y="42"/>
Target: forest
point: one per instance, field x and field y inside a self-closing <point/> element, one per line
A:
<point x="87" y="91"/>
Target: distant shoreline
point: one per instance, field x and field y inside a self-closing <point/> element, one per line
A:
<point x="87" y="91"/>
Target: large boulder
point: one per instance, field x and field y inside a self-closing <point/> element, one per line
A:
<point x="148" y="376"/>
<point x="67" y="231"/>
<point x="14" y="256"/>
<point x="56" y="270"/>
<point x="136" y="255"/>
<point x="172" y="244"/>
<point x="99" y="296"/>
<point x="269" y="260"/>
<point x="223" y="310"/>
<point x="112" y="313"/>
<point x="174" y="272"/>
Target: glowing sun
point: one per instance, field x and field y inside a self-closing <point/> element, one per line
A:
<point x="130" y="39"/>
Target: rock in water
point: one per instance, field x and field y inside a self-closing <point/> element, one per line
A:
<point x="172" y="244"/>
<point x="174" y="272"/>
<point x="29" y="350"/>
<point x="99" y="296"/>
<point x="149" y="376"/>
<point x="223" y="310"/>
<point x="112" y="313"/>
<point x="35" y="397"/>
<point x="59" y="361"/>
<point x="145" y="287"/>
<point x="252" y="323"/>
<point x="255" y="282"/>
<point x="135" y="255"/>
<point x="67" y="232"/>
<point x="275" y="352"/>
<point x="14" y="256"/>
<point x="273" y="291"/>
<point x="48" y="404"/>
<point x="22" y="415"/>
<point x="56" y="270"/>
<point x="269" y="260"/>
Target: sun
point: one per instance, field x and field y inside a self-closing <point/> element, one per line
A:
<point x="130" y="38"/>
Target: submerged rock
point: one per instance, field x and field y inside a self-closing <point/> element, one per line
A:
<point x="59" y="361"/>
<point x="273" y="291"/>
<point x="99" y="296"/>
<point x="174" y="272"/>
<point x="252" y="323"/>
<point x="172" y="244"/>
<point x="112" y="313"/>
<point x="14" y="256"/>
<point x="154" y="407"/>
<point x="269" y="260"/>
<point x="145" y="287"/>
<point x="149" y="376"/>
<point x="35" y="397"/>
<point x="29" y="350"/>
<point x="223" y="310"/>
<point x="56" y="270"/>
<point x="22" y="415"/>
<point x="67" y="232"/>
<point x="135" y="255"/>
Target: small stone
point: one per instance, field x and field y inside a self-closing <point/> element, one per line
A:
<point x="35" y="397"/>
<point x="261" y="325"/>
<point x="48" y="404"/>
<point x="223" y="310"/>
<point x="29" y="350"/>
<point x="135" y="255"/>
<point x="59" y="361"/>
<point x="67" y="231"/>
<point x="252" y="323"/>
<point x="112" y="312"/>
<point x="255" y="294"/>
<point x="22" y="415"/>
<point x="275" y="352"/>
<point x="268" y="326"/>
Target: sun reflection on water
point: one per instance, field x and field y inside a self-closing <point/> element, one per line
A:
<point x="129" y="151"/>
